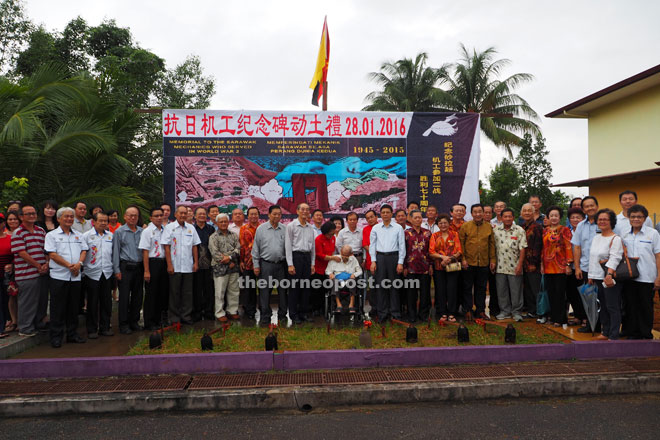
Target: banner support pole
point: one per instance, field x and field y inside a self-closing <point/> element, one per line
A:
<point x="325" y="96"/>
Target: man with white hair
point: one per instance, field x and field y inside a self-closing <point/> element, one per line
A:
<point x="347" y="268"/>
<point x="67" y="250"/>
<point x="225" y="251"/>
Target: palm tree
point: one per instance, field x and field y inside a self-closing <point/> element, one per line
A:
<point x="407" y="85"/>
<point x="473" y="87"/>
<point x="55" y="131"/>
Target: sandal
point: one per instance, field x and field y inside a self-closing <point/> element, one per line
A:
<point x="451" y="318"/>
<point x="4" y="335"/>
<point x="352" y="310"/>
<point x="574" y="322"/>
<point x="556" y="324"/>
<point x="443" y="318"/>
<point x="339" y="310"/>
<point x="11" y="328"/>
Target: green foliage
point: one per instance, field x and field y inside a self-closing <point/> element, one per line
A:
<point x="14" y="189"/>
<point x="407" y="85"/>
<point x="72" y="110"/>
<point x="529" y="174"/>
<point x="14" y="31"/>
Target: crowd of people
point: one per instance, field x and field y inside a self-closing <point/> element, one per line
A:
<point x="204" y="264"/>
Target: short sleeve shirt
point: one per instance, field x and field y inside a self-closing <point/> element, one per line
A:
<point x="33" y="244"/>
<point x="69" y="247"/>
<point x="181" y="240"/>
<point x="99" y="254"/>
<point x="508" y="244"/>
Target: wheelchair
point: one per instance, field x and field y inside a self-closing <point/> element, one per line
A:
<point x="331" y="312"/>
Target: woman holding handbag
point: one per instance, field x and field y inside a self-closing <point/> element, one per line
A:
<point x="557" y="260"/>
<point x="445" y="250"/>
<point x="604" y="256"/>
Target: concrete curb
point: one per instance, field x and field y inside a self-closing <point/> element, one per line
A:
<point x="15" y="344"/>
<point x="327" y="359"/>
<point x="308" y="398"/>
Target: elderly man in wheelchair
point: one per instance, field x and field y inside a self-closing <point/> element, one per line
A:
<point x="344" y="275"/>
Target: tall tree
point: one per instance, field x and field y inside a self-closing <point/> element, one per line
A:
<point x="472" y="85"/>
<point x="15" y="30"/>
<point x="55" y="130"/>
<point x="407" y="85"/>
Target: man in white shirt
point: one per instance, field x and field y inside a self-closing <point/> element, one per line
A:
<point x="155" y="271"/>
<point x="67" y="250"/>
<point x="348" y="265"/>
<point x="180" y="242"/>
<point x="627" y="199"/>
<point x="497" y="210"/>
<point x="351" y="235"/>
<point x="387" y="247"/>
<point x="98" y="277"/>
<point x="317" y="222"/>
<point x="237" y="220"/>
<point x="299" y="248"/>
<point x="431" y="218"/>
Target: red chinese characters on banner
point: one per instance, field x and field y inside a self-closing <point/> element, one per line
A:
<point x="208" y="125"/>
<point x="280" y="124"/>
<point x="243" y="123"/>
<point x="190" y="124"/>
<point x="316" y="124"/>
<point x="333" y="126"/>
<point x="263" y="125"/>
<point x="170" y="125"/>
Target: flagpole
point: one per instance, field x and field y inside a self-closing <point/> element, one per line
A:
<point x="325" y="96"/>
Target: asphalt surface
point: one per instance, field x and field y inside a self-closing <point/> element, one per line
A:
<point x="603" y="417"/>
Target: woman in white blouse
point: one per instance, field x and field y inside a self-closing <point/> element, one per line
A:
<point x="607" y="246"/>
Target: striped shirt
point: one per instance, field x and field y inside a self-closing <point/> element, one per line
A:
<point x="33" y="244"/>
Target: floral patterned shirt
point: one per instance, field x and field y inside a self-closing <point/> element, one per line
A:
<point x="450" y="246"/>
<point x="532" y="262"/>
<point x="417" y="251"/>
<point x="508" y="244"/>
<point x="246" y="239"/>
<point x="557" y="249"/>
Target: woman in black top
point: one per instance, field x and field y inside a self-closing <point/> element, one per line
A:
<point x="47" y="219"/>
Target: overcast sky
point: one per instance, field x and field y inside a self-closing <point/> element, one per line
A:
<point x="263" y="53"/>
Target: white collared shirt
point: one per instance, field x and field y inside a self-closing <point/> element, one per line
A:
<point x="643" y="245"/>
<point x="387" y="239"/>
<point x="151" y="240"/>
<point x="69" y="247"/>
<point x="81" y="226"/>
<point x="623" y="224"/>
<point x="181" y="240"/>
<point x="351" y="238"/>
<point x="433" y="228"/>
<point x="99" y="254"/>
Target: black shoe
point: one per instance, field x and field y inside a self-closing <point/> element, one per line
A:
<point x="306" y="319"/>
<point x="281" y="317"/>
<point x="209" y="317"/>
<point x="586" y="329"/>
<point x="297" y="321"/>
<point x="250" y="316"/>
<point x="92" y="335"/>
<point x="186" y="322"/>
<point x="76" y="339"/>
<point x="56" y="343"/>
<point x="107" y="333"/>
<point x="43" y="326"/>
<point x="125" y="330"/>
<point x="136" y="327"/>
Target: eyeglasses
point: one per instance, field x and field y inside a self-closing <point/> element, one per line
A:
<point x="636" y="217"/>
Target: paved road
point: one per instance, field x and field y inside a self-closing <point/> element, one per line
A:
<point x="609" y="417"/>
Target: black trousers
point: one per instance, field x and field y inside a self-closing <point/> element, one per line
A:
<point x="63" y="308"/>
<point x="639" y="309"/>
<point x="388" y="296"/>
<point x="493" y="303"/>
<point x="203" y="295"/>
<point x="475" y="277"/>
<point x="156" y="295"/>
<point x="555" y="284"/>
<point x="446" y="292"/>
<point x="531" y="289"/>
<point x="250" y="292"/>
<point x="573" y="296"/>
<point x="317" y="296"/>
<point x="424" y="293"/>
<point x="130" y="293"/>
<point x="272" y="273"/>
<point x="99" y="303"/>
<point x="299" y="297"/>
<point x="181" y="297"/>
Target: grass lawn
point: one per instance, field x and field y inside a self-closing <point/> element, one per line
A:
<point x="310" y="337"/>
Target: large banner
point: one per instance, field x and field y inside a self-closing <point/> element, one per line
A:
<point x="335" y="161"/>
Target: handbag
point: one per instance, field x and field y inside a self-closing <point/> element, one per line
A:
<point x="627" y="268"/>
<point x="453" y="267"/>
<point x="542" y="301"/>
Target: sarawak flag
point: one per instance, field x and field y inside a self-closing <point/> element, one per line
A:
<point x="321" y="72"/>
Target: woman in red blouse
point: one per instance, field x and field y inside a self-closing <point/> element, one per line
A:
<point x="557" y="259"/>
<point x="325" y="248"/>
<point x="6" y="259"/>
<point x="445" y="248"/>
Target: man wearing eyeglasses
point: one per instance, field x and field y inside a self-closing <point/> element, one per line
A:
<point x="30" y="272"/>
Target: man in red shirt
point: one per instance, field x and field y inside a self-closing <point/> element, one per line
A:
<point x="457" y="214"/>
<point x="30" y="270"/>
<point x="246" y="239"/>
